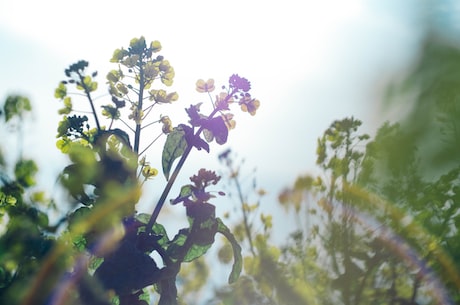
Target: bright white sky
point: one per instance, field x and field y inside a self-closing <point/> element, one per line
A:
<point x="310" y="62"/>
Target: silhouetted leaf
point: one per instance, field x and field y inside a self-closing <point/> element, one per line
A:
<point x="238" y="259"/>
<point x="127" y="269"/>
<point x="174" y="148"/>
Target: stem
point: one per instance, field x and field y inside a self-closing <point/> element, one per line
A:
<point x="137" y="133"/>
<point x="148" y="146"/>
<point x="165" y="193"/>
<point x="88" y="95"/>
<point x="245" y="216"/>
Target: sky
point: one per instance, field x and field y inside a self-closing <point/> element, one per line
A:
<point x="309" y="63"/>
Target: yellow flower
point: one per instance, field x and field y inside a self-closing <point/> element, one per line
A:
<point x="151" y="71"/>
<point x="202" y="86"/>
<point x="131" y="61"/>
<point x="136" y="114"/>
<point x="167" y="124"/>
<point x="249" y="105"/>
<point x="229" y="122"/>
<point x="161" y="97"/>
<point x="155" y="46"/>
<point x="149" y="172"/>
<point x="261" y="192"/>
<point x="223" y="100"/>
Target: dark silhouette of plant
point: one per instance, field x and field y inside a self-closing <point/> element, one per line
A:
<point x="103" y="253"/>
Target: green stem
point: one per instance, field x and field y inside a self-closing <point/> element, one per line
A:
<point x="137" y="133"/>
<point x="88" y="95"/>
<point x="247" y="228"/>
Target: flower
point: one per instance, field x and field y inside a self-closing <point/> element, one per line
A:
<point x="149" y="172"/>
<point x="162" y="97"/>
<point x="202" y="86"/>
<point x="223" y="100"/>
<point x="204" y="179"/>
<point x="155" y="46"/>
<point x="151" y="71"/>
<point x="249" y="104"/>
<point x="229" y="122"/>
<point x="136" y="114"/>
<point x="239" y="83"/>
<point x="167" y="124"/>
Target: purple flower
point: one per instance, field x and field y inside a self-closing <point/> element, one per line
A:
<point x="239" y="83"/>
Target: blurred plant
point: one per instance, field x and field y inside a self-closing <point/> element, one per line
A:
<point x="269" y="276"/>
<point x="369" y="208"/>
<point x="25" y="229"/>
<point x="105" y="249"/>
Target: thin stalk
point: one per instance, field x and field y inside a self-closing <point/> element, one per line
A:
<point x="137" y="133"/>
<point x="88" y="95"/>
<point x="245" y="216"/>
<point x="172" y="179"/>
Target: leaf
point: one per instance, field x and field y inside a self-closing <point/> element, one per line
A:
<point x="174" y="148"/>
<point x="158" y="229"/>
<point x="183" y="248"/>
<point x="185" y="192"/>
<point x="196" y="251"/>
<point x="127" y="269"/>
<point x="237" y="257"/>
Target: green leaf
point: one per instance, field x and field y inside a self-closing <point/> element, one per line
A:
<point x="238" y="259"/>
<point x="143" y="218"/>
<point x="174" y="148"/>
<point x="196" y="251"/>
<point x="182" y="247"/>
<point x="79" y="242"/>
<point x="157" y="228"/>
<point x="185" y="192"/>
<point x="175" y="248"/>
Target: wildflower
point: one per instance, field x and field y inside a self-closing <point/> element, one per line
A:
<point x="151" y="71"/>
<point x="249" y="104"/>
<point x="130" y="61"/>
<point x="239" y="83"/>
<point x="229" y="122"/>
<point x="136" y="114"/>
<point x="167" y="124"/>
<point x="122" y="88"/>
<point x="223" y="100"/>
<point x="261" y="192"/>
<point x="202" y="86"/>
<point x="162" y="97"/>
<point x="204" y="178"/>
<point x="149" y="172"/>
<point x="155" y="46"/>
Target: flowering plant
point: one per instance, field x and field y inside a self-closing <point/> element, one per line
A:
<point x="109" y="166"/>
